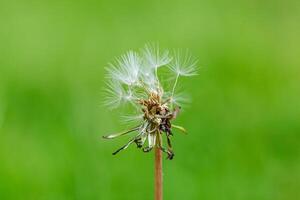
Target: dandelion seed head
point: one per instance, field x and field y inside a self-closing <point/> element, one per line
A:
<point x="133" y="79"/>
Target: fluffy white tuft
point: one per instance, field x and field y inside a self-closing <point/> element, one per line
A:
<point x="126" y="69"/>
<point x="132" y="118"/>
<point x="183" y="64"/>
<point x="115" y="95"/>
<point x="180" y="99"/>
<point x="133" y="76"/>
<point x="155" y="58"/>
<point x="148" y="78"/>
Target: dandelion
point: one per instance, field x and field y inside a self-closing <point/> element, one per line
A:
<point x="133" y="79"/>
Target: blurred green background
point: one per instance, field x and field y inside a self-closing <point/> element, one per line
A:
<point x="243" y="122"/>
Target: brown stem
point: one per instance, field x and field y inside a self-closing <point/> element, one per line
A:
<point x="158" y="174"/>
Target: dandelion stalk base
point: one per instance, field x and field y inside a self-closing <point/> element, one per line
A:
<point x="158" y="187"/>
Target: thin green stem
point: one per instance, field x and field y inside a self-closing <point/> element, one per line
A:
<point x="174" y="86"/>
<point x="156" y="75"/>
<point x="157" y="81"/>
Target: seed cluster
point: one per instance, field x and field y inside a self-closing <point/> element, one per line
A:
<point x="158" y="116"/>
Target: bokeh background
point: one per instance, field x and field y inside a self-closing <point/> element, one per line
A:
<point x="243" y="122"/>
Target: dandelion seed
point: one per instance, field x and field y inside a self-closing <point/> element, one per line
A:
<point x="126" y="68"/>
<point x="148" y="78"/>
<point x="183" y="64"/>
<point x="154" y="57"/>
<point x="132" y="118"/>
<point x="179" y="99"/>
<point x="114" y="94"/>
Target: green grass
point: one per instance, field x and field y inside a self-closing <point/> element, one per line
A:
<point x="243" y="123"/>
